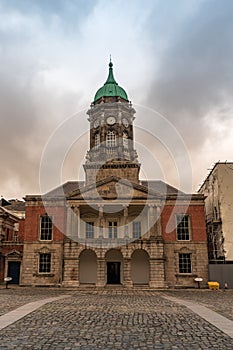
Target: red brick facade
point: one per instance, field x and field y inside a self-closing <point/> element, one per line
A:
<point x="197" y="221"/>
<point x="32" y="224"/>
<point x="163" y="250"/>
<point x="11" y="246"/>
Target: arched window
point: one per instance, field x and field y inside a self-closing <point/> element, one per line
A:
<point x="111" y="139"/>
<point x="97" y="140"/>
<point x="125" y="139"/>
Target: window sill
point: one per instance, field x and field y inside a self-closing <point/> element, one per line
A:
<point x="43" y="274"/>
<point x="45" y="240"/>
<point x="183" y="240"/>
<point x="186" y="275"/>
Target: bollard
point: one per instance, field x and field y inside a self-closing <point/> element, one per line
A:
<point x="7" y="280"/>
<point x="198" y="280"/>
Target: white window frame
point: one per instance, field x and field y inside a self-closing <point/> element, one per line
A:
<point x="185" y="263"/>
<point x="112" y="229"/>
<point x="136" y="231"/>
<point x="89" y="230"/>
<point x="111" y="139"/>
<point x="44" y="263"/>
<point x="44" y="228"/>
<point x="183" y="224"/>
<point x="97" y="140"/>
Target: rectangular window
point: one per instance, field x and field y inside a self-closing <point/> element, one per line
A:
<point x="97" y="140"/>
<point x="89" y="229"/>
<point x="111" y="139"/>
<point x="46" y="228"/>
<point x="136" y="229"/>
<point x="112" y="229"/>
<point x="185" y="263"/>
<point x="183" y="230"/>
<point x="44" y="262"/>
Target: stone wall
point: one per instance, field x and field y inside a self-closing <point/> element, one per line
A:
<point x="30" y="264"/>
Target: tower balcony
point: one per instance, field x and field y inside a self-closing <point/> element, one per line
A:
<point x="106" y="153"/>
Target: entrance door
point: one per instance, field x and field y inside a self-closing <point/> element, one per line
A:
<point x="14" y="271"/>
<point x="113" y="272"/>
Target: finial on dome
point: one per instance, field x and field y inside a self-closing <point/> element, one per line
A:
<point x="110" y="63"/>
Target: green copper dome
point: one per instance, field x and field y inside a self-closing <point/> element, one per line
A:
<point x="111" y="88"/>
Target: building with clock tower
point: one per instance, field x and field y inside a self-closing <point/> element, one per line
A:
<point x="111" y="119"/>
<point x="112" y="228"/>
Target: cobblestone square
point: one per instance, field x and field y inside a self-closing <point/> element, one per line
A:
<point x="114" y="319"/>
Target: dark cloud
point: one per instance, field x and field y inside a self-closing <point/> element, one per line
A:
<point x="194" y="76"/>
<point x="50" y="49"/>
<point x="29" y="112"/>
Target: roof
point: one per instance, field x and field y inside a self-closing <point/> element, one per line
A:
<point x="16" y="205"/>
<point x="66" y="188"/>
<point x="124" y="190"/>
<point x="157" y="186"/>
<point x="216" y="165"/>
<point x="7" y="213"/>
<point x="4" y="202"/>
<point x="160" y="187"/>
<point x="111" y="87"/>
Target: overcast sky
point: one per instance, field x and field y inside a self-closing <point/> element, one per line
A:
<point x="173" y="57"/>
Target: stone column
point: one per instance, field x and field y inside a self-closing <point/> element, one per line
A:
<point x="156" y="273"/>
<point x="100" y="272"/>
<point x="158" y="223"/>
<point x="157" y="277"/>
<point x="127" y="279"/>
<point x="73" y="218"/>
<point x="70" y="266"/>
<point x="75" y="223"/>
<point x="102" y="148"/>
<point x="69" y="232"/>
<point x="71" y="272"/>
<point x="78" y="221"/>
<point x="152" y="219"/>
<point x="126" y="226"/>
<point x="100" y="221"/>
<point x="120" y="136"/>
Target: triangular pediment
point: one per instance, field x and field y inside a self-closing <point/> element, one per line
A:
<point x="7" y="214"/>
<point x="13" y="254"/>
<point x="113" y="188"/>
<point x="2" y="210"/>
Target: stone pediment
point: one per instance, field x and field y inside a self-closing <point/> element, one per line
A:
<point x="113" y="188"/>
<point x="13" y="255"/>
<point x="5" y="214"/>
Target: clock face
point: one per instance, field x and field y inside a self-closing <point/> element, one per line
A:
<point x="125" y="122"/>
<point x="111" y="120"/>
<point x="96" y="123"/>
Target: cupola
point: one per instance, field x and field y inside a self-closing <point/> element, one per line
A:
<point x="110" y="89"/>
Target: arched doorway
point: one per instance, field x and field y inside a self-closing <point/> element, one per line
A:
<point x="140" y="267"/>
<point x="114" y="261"/>
<point x="87" y="267"/>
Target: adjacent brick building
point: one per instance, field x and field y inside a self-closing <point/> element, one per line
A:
<point x="11" y="239"/>
<point x="114" y="228"/>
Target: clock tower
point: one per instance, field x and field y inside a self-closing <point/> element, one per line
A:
<point x="111" y="118"/>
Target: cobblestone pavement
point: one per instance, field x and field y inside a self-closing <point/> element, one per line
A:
<point x="217" y="300"/>
<point x="15" y="297"/>
<point x="113" y="319"/>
